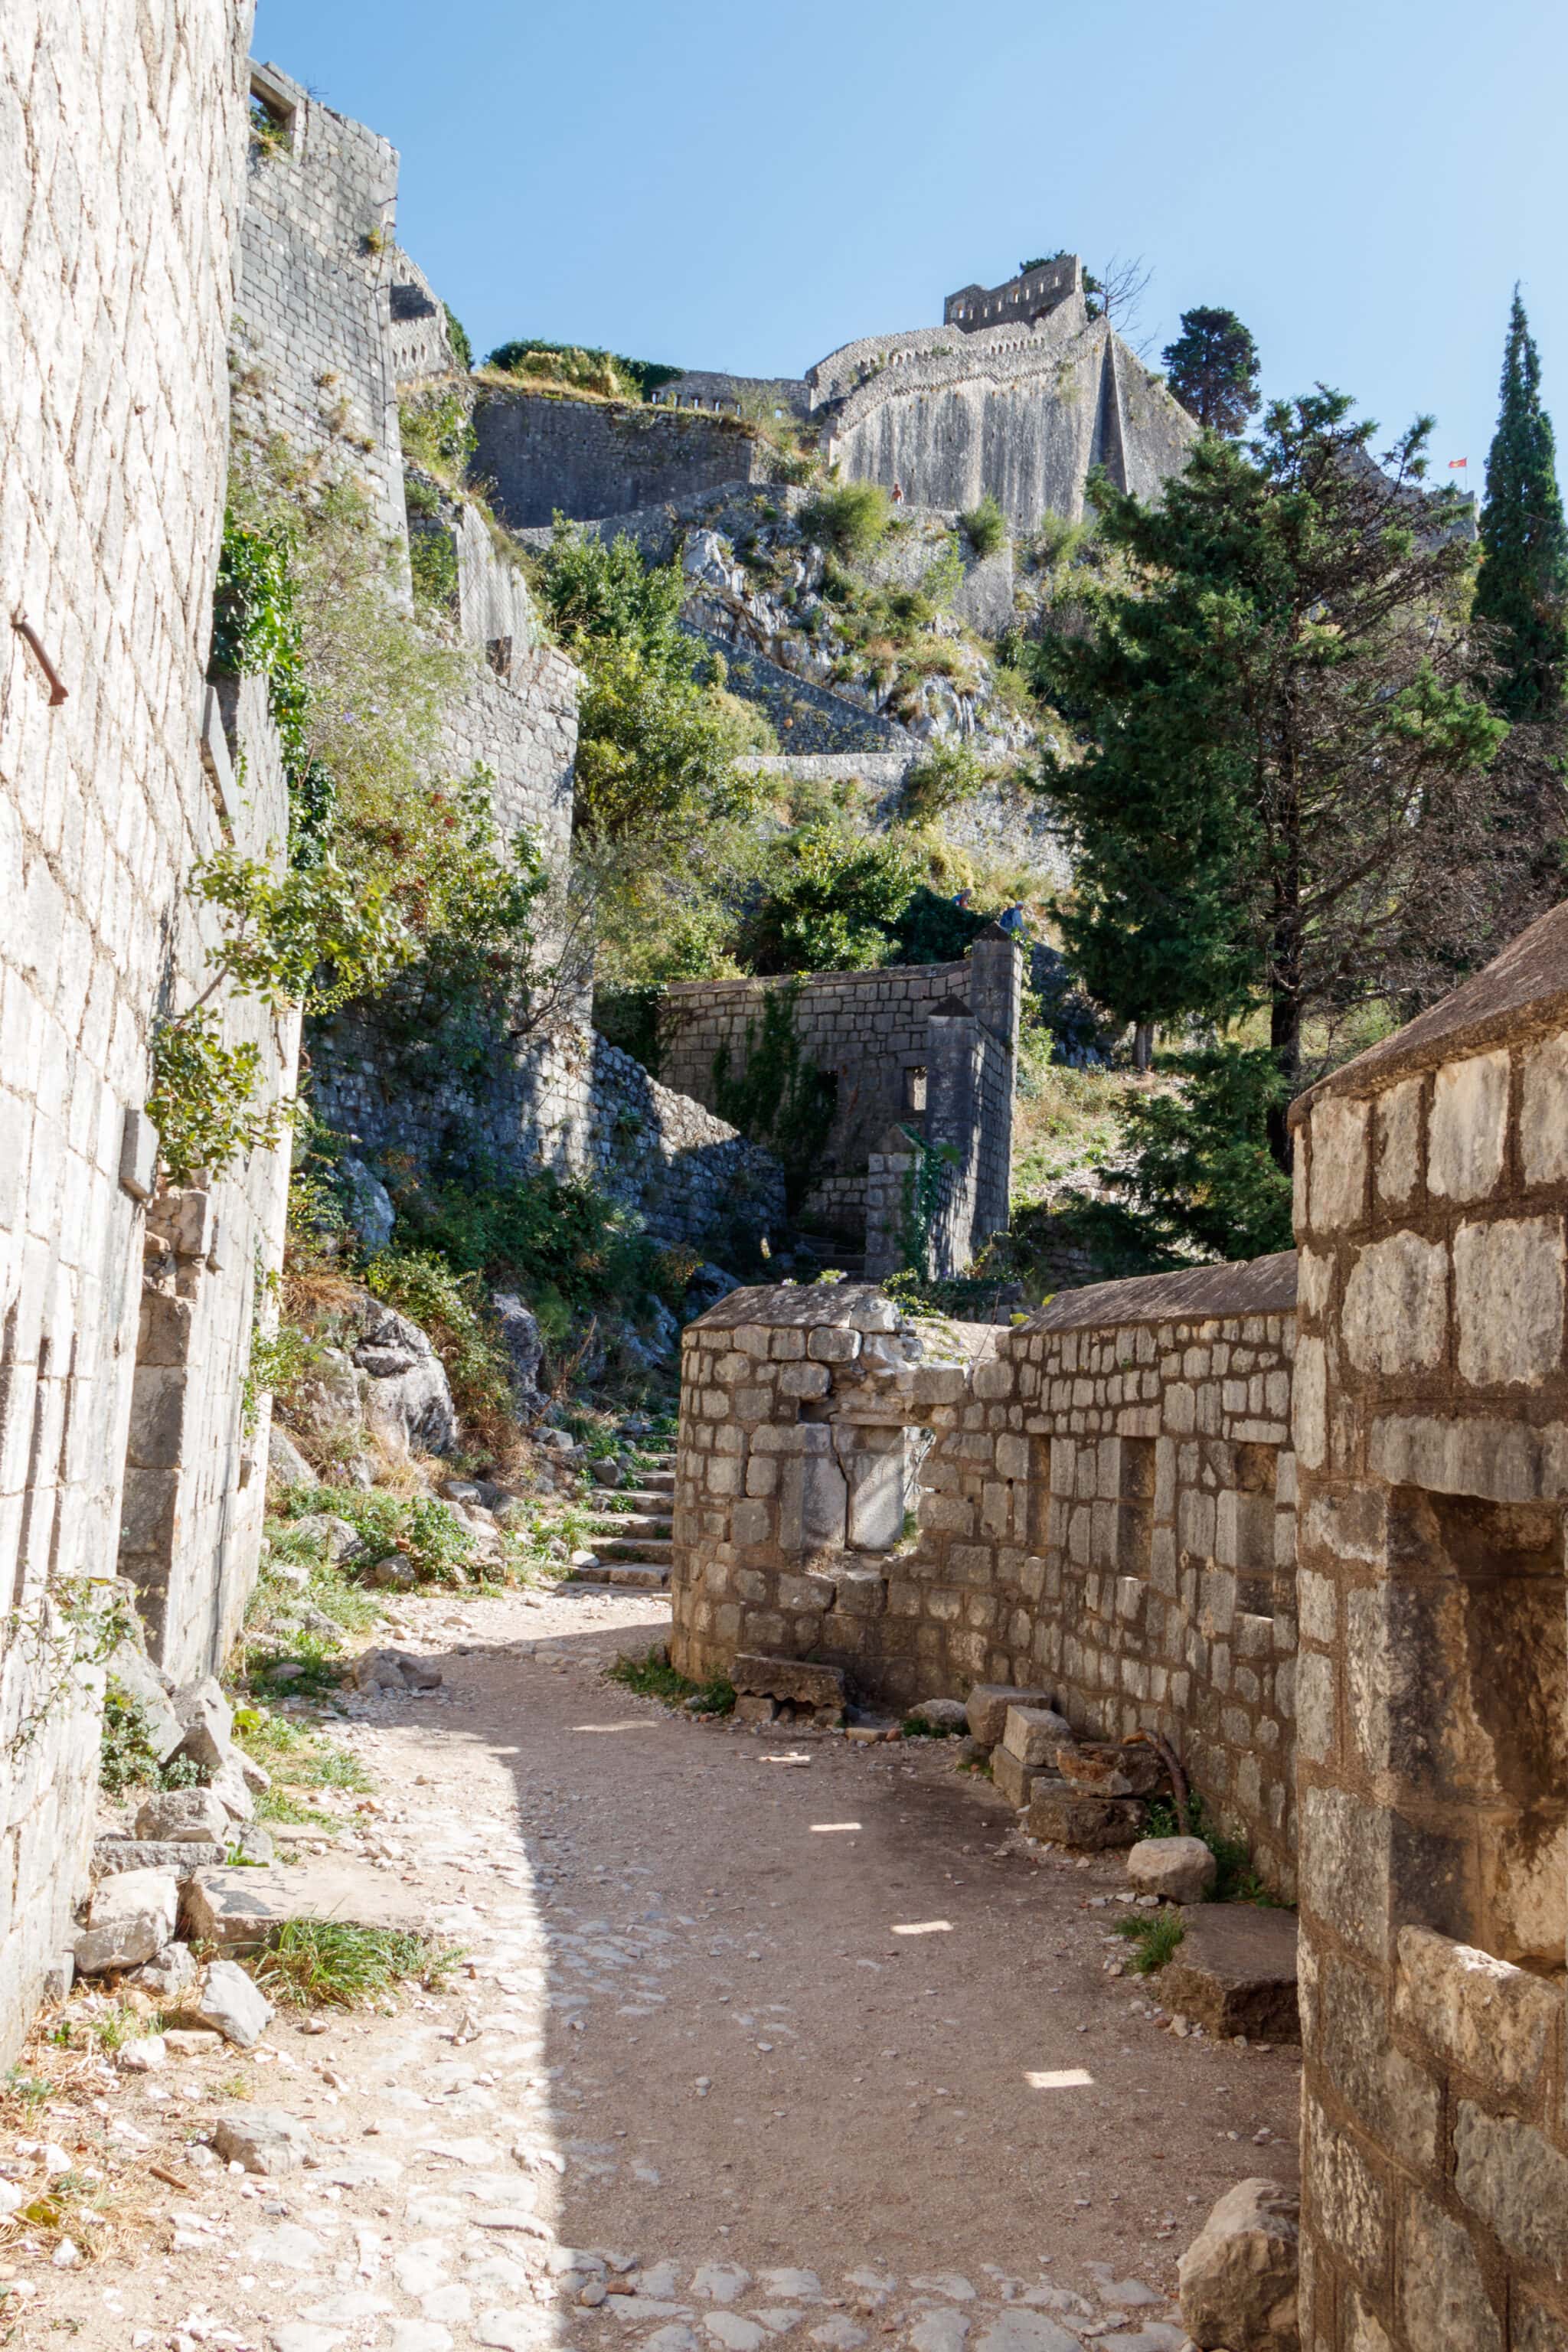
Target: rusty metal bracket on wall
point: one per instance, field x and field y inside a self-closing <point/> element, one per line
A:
<point x="57" y="688"/>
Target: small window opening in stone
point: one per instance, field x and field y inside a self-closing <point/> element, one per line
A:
<point x="498" y="653"/>
<point x="1135" y="1510"/>
<point x="915" y="1088"/>
<point x="271" y="124"/>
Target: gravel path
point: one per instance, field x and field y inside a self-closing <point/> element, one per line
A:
<point x="758" y="2039"/>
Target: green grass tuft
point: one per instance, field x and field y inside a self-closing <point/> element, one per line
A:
<point x="1156" y="1937"/>
<point x="653" y="1676"/>
<point x="328" y="1964"/>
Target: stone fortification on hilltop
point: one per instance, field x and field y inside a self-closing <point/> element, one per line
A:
<point x="1018" y="396"/>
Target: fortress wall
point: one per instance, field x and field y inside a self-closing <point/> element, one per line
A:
<point x="313" y="335"/>
<point x="124" y="138"/>
<point x="589" y="458"/>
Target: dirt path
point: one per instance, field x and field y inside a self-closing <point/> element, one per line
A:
<point x="792" y="2036"/>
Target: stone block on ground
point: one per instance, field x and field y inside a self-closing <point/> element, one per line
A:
<point x="988" y="1709"/>
<point x="232" y="1789"/>
<point x="1235" y="1972"/>
<point x="206" y="1722"/>
<point x="1065" y="1816"/>
<point x="184" y="1856"/>
<point x="230" y="2002"/>
<point x="1011" y="1777"/>
<point x="263" y="2139"/>
<point x="181" y="1816"/>
<point x="394" y="1670"/>
<point x="1105" y="1768"/>
<point x="1180" y="1869"/>
<point x="948" y="1714"/>
<point x="168" y="1973"/>
<point x="1238" y="2277"/>
<point x="1033" y="1734"/>
<point x="790" y="1680"/>
<point x="131" y="1916"/>
<point x="749" y="1707"/>
<point x="237" y="1909"/>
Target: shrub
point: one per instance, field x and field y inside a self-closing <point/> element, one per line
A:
<point x="828" y="902"/>
<point x="986" y="526"/>
<point x="944" y="774"/>
<point x="328" y="1963"/>
<point x="851" y="517"/>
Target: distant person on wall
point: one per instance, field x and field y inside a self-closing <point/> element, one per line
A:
<point x="898" y="494"/>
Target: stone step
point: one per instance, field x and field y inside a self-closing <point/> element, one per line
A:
<point x="1234" y="1971"/>
<point x="647" y="1548"/>
<point x="630" y="1523"/>
<point x="638" y="1576"/>
<point x="633" y="1498"/>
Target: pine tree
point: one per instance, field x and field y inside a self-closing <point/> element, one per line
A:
<point x="1212" y="369"/>
<point x="1279" y="799"/>
<point x="1523" y="587"/>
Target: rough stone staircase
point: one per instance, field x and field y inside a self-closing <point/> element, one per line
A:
<point x="632" y="1542"/>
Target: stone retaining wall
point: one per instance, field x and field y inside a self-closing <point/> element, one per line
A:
<point x="574" y="1105"/>
<point x="1105" y="1501"/>
<point x="539" y="456"/>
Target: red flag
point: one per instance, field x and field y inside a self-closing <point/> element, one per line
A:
<point x="1457" y="461"/>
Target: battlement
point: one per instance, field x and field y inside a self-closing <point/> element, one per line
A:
<point x="1028" y="296"/>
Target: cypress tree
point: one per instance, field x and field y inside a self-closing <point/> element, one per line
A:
<point x="1523" y="587"/>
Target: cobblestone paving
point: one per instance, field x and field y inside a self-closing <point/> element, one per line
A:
<point x="755" y="2042"/>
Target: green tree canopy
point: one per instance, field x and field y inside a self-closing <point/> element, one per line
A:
<point x="1212" y="369"/>
<point x="1280" y="798"/>
<point x="1522" y="592"/>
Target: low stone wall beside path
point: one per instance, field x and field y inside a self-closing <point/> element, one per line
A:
<point x="1103" y="1499"/>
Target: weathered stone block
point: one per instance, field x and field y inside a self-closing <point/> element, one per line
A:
<point x="1063" y="1816"/>
<point x="1468" y="1126"/>
<point x="1508" y="1298"/>
<point x="988" y="1709"/>
<point x="1033" y="1734"/>
<point x="1492" y="2021"/>
<point x="1237" y="2278"/>
<point x="1178" y="1869"/>
<point x="1518" y="2183"/>
<point x="1395" y="1314"/>
<point x="1442" y="2294"/>
<point x="1012" y="1778"/>
<point x="821" y="1688"/>
<point x="1398" y="1145"/>
<point x="1339" y="1164"/>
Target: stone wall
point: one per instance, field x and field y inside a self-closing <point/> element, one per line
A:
<point x="574" y="1105"/>
<point x="1432" y="1430"/>
<point x="1105" y="1500"/>
<point x="312" y="334"/>
<point x="122" y="131"/>
<point x="190" y="1531"/>
<point x="927" y="1046"/>
<point x="1024" y="425"/>
<point x="1022" y="297"/>
<point x="538" y="456"/>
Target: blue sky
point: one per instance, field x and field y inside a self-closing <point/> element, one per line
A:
<point x="748" y="186"/>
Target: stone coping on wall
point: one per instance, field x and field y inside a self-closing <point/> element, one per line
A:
<point x="877" y="977"/>
<point x="1523" y="993"/>
<point x="1199" y="1293"/>
<point x="841" y="1306"/>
